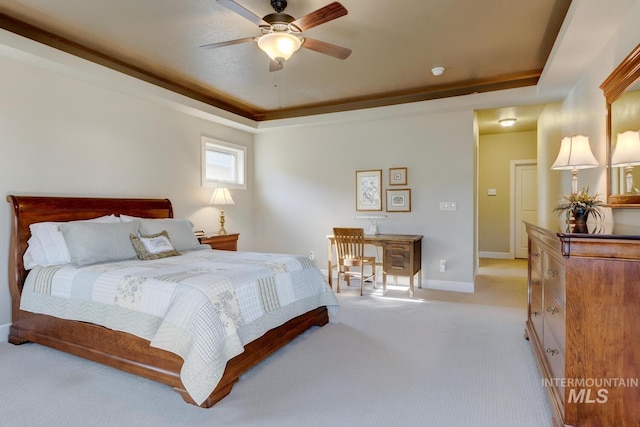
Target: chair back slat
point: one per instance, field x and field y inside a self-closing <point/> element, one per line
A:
<point x="349" y="242"/>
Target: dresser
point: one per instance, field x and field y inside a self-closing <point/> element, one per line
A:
<point x="583" y="323"/>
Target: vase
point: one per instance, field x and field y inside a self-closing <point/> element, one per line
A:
<point x="580" y="217"/>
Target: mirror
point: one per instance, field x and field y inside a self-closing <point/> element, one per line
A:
<point x="622" y="92"/>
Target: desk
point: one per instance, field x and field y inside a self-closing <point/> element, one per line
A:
<point x="401" y="256"/>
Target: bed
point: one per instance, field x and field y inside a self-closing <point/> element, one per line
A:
<point x="136" y="352"/>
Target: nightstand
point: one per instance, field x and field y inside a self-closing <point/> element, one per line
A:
<point x="225" y="243"/>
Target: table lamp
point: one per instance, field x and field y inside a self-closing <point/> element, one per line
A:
<point x="221" y="197"/>
<point x="575" y="153"/>
<point x="626" y="155"/>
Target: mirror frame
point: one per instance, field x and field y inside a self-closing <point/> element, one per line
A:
<point x="622" y="78"/>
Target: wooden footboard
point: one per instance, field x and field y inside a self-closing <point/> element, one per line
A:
<point x="119" y="349"/>
<point x="258" y="350"/>
<point x="132" y="354"/>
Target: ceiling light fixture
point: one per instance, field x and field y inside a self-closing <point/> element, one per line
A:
<point x="437" y="71"/>
<point x="279" y="45"/>
<point x="505" y="123"/>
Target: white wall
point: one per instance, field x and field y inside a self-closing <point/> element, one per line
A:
<point x="62" y="136"/>
<point x="305" y="185"/>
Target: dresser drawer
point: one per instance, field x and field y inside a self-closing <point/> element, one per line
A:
<point x="397" y="260"/>
<point x="555" y="359"/>
<point x="553" y="273"/>
<point x="554" y="316"/>
<point x="535" y="257"/>
<point x="537" y="316"/>
<point x="535" y="285"/>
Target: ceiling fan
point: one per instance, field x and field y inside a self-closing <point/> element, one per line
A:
<point x="282" y="33"/>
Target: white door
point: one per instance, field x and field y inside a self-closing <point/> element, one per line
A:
<point x="525" y="205"/>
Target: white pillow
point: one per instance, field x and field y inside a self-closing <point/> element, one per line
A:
<point x="180" y="230"/>
<point x="93" y="242"/>
<point x="47" y="246"/>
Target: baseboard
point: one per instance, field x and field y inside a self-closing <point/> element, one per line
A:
<point x="448" y="285"/>
<point x="443" y="285"/>
<point x="4" y="332"/>
<point x="496" y="255"/>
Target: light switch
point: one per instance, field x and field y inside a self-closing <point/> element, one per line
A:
<point x="492" y="192"/>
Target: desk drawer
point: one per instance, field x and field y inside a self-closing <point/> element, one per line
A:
<point x="397" y="258"/>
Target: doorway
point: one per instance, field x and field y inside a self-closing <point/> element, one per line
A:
<point x="524" y="188"/>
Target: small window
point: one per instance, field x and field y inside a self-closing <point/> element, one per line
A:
<point x="223" y="164"/>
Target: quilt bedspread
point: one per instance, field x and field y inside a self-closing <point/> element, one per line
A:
<point x="202" y="305"/>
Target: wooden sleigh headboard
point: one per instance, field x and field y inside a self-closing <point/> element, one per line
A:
<point x="26" y="210"/>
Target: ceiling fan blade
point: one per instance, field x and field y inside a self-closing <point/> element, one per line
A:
<point x="320" y="16"/>
<point x="326" y="48"/>
<point x="245" y="13"/>
<point x="275" y="65"/>
<point x="227" y="43"/>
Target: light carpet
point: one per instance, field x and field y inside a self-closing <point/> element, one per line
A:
<point x="383" y="361"/>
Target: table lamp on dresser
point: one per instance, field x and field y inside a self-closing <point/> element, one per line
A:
<point x="221" y="197"/>
<point x="575" y="154"/>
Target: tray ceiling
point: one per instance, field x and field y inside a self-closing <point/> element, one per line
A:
<point x="483" y="45"/>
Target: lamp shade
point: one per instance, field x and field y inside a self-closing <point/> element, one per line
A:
<point x="279" y="45"/>
<point x="627" y="150"/>
<point x="575" y="153"/>
<point x="221" y="196"/>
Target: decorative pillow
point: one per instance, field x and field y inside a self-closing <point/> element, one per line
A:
<point x="180" y="231"/>
<point x="47" y="246"/>
<point x="153" y="247"/>
<point x="92" y="242"/>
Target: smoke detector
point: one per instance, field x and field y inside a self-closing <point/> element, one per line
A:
<point x="437" y="71"/>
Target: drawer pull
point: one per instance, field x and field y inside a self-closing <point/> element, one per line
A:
<point x="552" y="310"/>
<point x="553" y="351"/>
<point x="535" y="255"/>
<point x="552" y="273"/>
<point x="535" y="282"/>
<point x="535" y="313"/>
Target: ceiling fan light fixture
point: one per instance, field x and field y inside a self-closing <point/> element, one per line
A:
<point x="505" y="123"/>
<point x="279" y="45"/>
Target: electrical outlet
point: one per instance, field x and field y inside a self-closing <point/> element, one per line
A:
<point x="312" y="255"/>
<point x="443" y="266"/>
<point x="448" y="206"/>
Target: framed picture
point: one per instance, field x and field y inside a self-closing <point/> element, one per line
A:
<point x="369" y="190"/>
<point x="399" y="200"/>
<point x="397" y="176"/>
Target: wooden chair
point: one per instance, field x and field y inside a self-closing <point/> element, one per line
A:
<point x="351" y="259"/>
